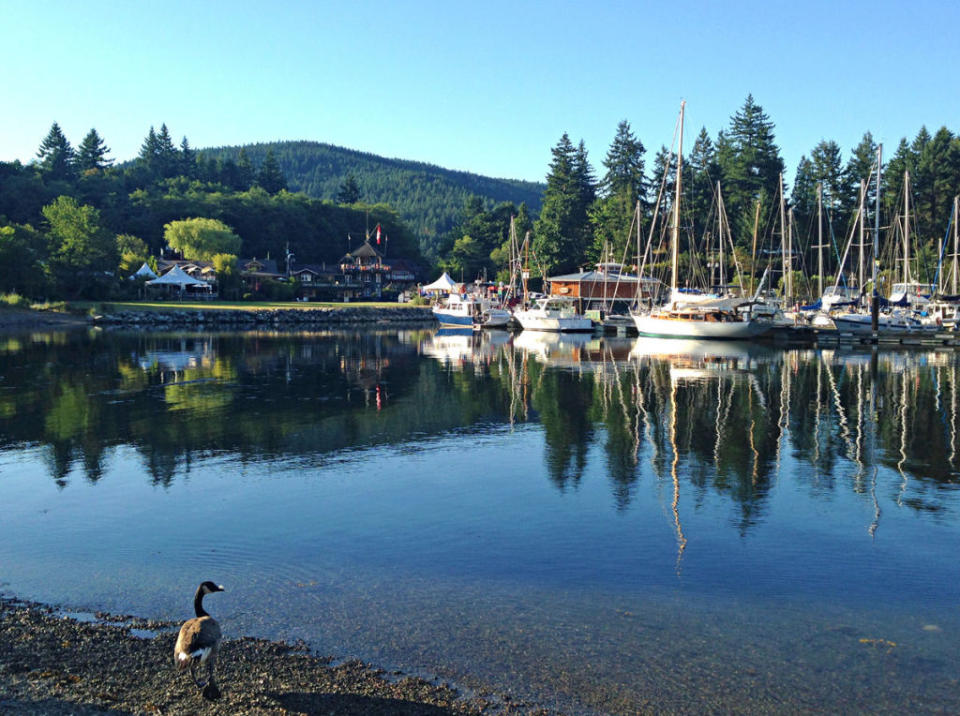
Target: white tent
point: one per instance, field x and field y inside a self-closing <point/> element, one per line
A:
<point x="176" y="277"/>
<point x="144" y="272"/>
<point x="180" y="279"/>
<point x="444" y="283"/>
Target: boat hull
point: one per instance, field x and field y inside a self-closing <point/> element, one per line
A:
<point x="556" y="324"/>
<point x="657" y="326"/>
<point x="447" y="318"/>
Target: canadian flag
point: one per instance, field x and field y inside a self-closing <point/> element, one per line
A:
<point x="378" y="234"/>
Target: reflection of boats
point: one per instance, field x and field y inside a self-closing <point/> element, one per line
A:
<point x="697" y="349"/>
<point x="468" y="310"/>
<point x="553" y="314"/>
<point x="551" y="345"/>
<point x="573" y="350"/>
<point x="463" y="345"/>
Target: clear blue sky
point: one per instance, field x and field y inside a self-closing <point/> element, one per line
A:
<point x="486" y="87"/>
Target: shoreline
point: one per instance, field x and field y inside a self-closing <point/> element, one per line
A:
<point x="53" y="661"/>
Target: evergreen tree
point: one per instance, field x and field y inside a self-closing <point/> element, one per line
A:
<point x="149" y="157"/>
<point x="270" y="178"/>
<point x="861" y="166"/>
<point x="700" y="180"/>
<point x="751" y="166"/>
<point x="624" y="183"/>
<point x="903" y="160"/>
<point x="188" y="160"/>
<point x="168" y="159"/>
<point x="245" y="171"/>
<point x="349" y="191"/>
<point x="561" y="232"/>
<point x="92" y="153"/>
<point x="625" y="166"/>
<point x="56" y="155"/>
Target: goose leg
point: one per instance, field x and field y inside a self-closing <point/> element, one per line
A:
<point x="193" y="674"/>
<point x="211" y="691"/>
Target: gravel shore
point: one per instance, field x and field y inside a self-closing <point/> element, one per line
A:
<point x="51" y="664"/>
<point x="23" y="319"/>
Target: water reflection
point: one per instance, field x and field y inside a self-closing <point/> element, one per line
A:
<point x="596" y="496"/>
<point x="720" y="416"/>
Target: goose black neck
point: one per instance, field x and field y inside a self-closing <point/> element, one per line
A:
<point x="198" y="603"/>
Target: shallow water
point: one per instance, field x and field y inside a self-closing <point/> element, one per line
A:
<point x="604" y="525"/>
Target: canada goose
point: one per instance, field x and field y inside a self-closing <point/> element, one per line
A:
<point x="198" y="641"/>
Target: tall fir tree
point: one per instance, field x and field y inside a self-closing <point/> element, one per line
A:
<point x="861" y="167"/>
<point x="349" y="191"/>
<point x="149" y="157"/>
<point x="188" y="160"/>
<point x="622" y="186"/>
<point x="92" y="153"/>
<point x="270" y="178"/>
<point x="246" y="174"/>
<point x="751" y="166"/>
<point x="168" y="159"/>
<point x="57" y="160"/>
<point x="561" y="232"/>
<point x="700" y="182"/>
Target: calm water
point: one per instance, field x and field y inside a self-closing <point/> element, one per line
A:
<point x="610" y="525"/>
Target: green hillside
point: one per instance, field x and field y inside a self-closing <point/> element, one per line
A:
<point x="428" y="198"/>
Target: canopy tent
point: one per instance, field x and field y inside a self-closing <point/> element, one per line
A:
<point x="177" y="278"/>
<point x="444" y="283"/>
<point x="144" y="272"/>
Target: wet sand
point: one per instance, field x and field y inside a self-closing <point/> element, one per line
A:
<point x="51" y="664"/>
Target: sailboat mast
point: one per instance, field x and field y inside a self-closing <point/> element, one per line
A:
<point x="722" y="282"/>
<point x="783" y="237"/>
<point x="753" y="250"/>
<point x="863" y="247"/>
<point x="675" y="239"/>
<point x="820" y="239"/>
<point x="875" y="303"/>
<point x="906" y="227"/>
<point x="790" y="255"/>
<point x="956" y="204"/>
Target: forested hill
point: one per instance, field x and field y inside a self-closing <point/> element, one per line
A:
<point x="430" y="199"/>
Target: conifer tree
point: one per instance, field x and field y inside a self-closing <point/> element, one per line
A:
<point x="700" y="181"/>
<point x="188" y="160"/>
<point x="861" y="166"/>
<point x="246" y="174"/>
<point x="349" y="191"/>
<point x="270" y="178"/>
<point x="56" y="155"/>
<point x="149" y="157"/>
<point x="92" y="153"/>
<point x="623" y="184"/>
<point x="168" y="160"/>
<point x="562" y="231"/>
<point x="751" y="165"/>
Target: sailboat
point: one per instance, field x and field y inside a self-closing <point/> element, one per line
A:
<point x="907" y="293"/>
<point x="690" y="313"/>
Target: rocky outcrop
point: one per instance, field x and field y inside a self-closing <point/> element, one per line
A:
<point x="267" y="318"/>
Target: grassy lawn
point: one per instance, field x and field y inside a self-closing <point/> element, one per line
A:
<point x="114" y="306"/>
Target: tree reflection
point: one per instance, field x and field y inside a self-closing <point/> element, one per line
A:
<point x="724" y="422"/>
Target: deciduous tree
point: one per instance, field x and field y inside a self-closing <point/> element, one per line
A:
<point x="201" y="238"/>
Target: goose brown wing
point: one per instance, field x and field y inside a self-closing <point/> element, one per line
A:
<point x="198" y="633"/>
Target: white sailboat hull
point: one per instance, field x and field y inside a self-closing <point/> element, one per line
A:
<point x="663" y="325"/>
<point x="531" y="321"/>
